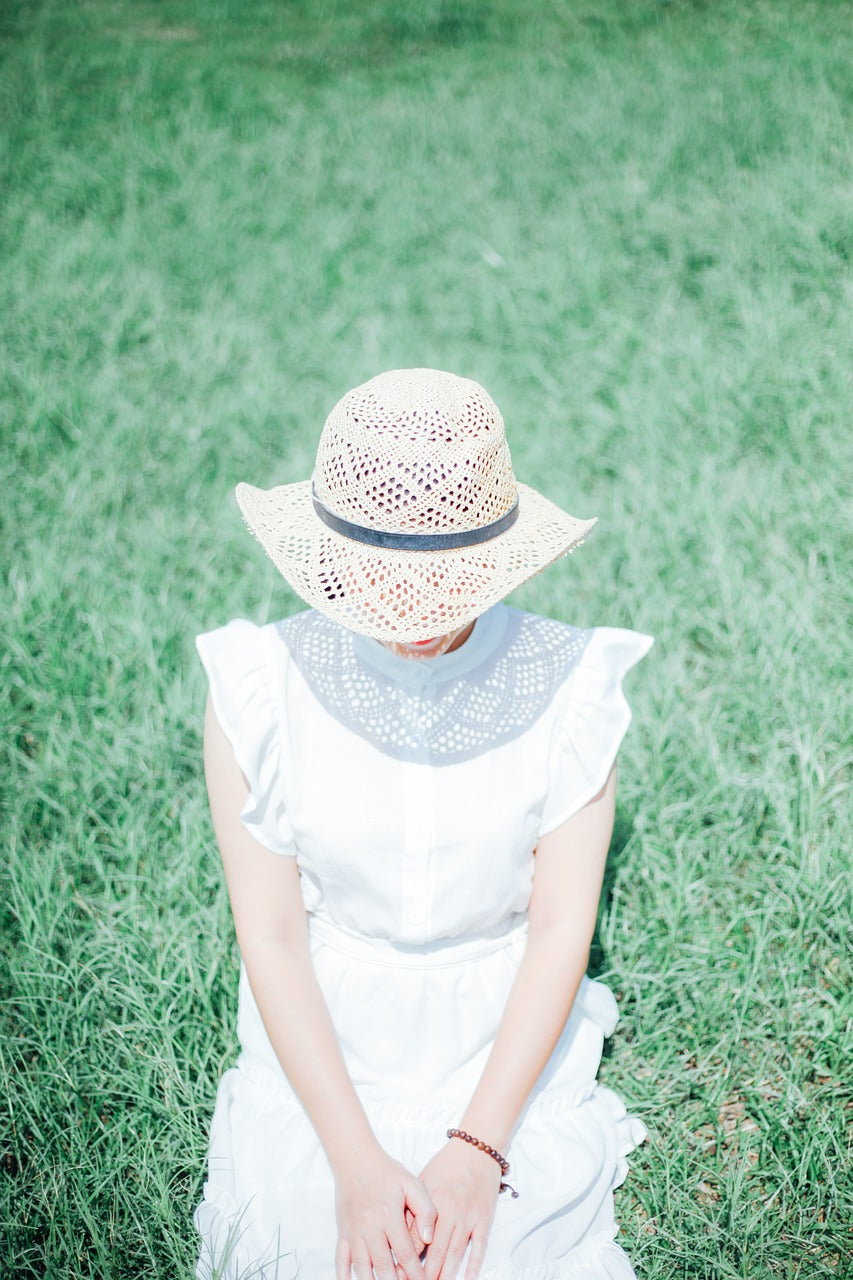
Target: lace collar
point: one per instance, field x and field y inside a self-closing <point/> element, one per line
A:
<point x="444" y="710"/>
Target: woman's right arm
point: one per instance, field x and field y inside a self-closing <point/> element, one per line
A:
<point x="373" y="1191"/>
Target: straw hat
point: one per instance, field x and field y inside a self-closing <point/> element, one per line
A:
<point x="413" y="524"/>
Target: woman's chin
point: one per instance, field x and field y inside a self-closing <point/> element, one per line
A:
<point x="421" y="649"/>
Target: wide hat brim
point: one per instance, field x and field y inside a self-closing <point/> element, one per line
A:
<point x="407" y="595"/>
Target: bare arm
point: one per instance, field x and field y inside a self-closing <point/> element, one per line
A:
<point x="272" y="932"/>
<point x="566" y="887"/>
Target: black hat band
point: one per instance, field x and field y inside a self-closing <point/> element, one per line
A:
<point x="415" y="541"/>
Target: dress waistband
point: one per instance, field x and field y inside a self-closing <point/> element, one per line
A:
<point x="434" y="954"/>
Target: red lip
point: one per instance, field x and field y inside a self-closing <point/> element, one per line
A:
<point x="424" y="643"/>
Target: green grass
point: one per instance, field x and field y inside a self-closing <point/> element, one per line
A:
<point x="631" y="222"/>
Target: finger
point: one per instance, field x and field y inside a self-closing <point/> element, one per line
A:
<point x="361" y="1261"/>
<point x="422" y="1207"/>
<point x="384" y="1266"/>
<point x="479" y="1239"/>
<point x="414" y="1235"/>
<point x="343" y="1261"/>
<point x="455" y="1254"/>
<point x="404" y="1252"/>
<point x="437" y="1251"/>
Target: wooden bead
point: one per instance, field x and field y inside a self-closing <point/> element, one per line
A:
<point x="485" y="1148"/>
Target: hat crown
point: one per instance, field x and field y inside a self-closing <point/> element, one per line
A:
<point x="414" y="450"/>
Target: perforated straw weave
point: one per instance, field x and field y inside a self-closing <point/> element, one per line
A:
<point x="412" y="451"/>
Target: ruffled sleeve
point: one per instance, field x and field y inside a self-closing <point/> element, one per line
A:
<point x="595" y="721"/>
<point x="238" y="669"/>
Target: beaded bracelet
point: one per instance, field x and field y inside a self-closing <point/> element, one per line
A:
<point x="489" y="1151"/>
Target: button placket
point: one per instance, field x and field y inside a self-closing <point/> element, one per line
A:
<point x="418" y="839"/>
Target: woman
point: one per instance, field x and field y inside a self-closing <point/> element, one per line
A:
<point x="412" y="787"/>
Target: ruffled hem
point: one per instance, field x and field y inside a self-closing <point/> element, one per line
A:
<point x="566" y="1161"/>
<point x="597" y="1258"/>
<point x="225" y="1252"/>
<point x="545" y="1109"/>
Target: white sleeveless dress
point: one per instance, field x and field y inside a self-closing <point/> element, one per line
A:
<point x="412" y="795"/>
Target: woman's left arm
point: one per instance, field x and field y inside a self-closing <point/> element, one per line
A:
<point x="462" y="1181"/>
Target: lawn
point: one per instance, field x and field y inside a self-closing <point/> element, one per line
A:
<point x="632" y="222"/>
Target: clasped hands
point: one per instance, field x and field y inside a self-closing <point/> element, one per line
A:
<point x="395" y="1226"/>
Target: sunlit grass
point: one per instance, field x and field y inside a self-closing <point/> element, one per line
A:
<point x="630" y="221"/>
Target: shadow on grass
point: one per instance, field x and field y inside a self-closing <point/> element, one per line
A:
<point x="623" y="829"/>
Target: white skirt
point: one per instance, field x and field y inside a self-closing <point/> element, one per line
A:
<point x="415" y="1026"/>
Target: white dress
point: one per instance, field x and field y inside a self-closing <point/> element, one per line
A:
<point x="412" y="795"/>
